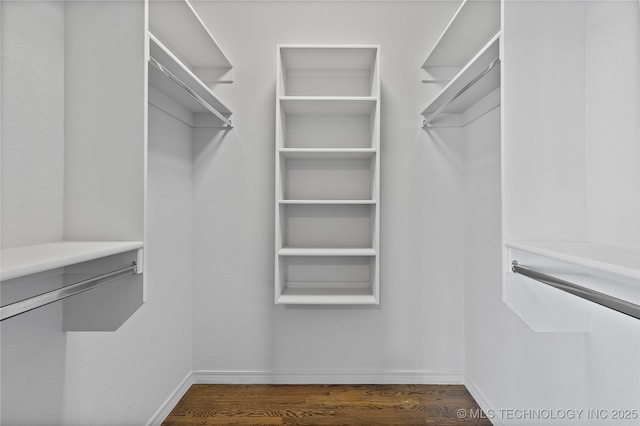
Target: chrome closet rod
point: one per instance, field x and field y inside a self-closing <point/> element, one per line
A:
<point x="427" y="121"/>
<point x="189" y="92"/>
<point x="43" y="299"/>
<point x="603" y="299"/>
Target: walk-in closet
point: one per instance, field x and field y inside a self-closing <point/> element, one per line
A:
<point x="308" y="192"/>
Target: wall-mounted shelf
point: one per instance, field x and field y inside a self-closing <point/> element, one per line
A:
<point x="180" y="28"/>
<point x="621" y="261"/>
<point x="173" y="78"/>
<point x="327" y="175"/>
<point x="608" y="270"/>
<point x="466" y="60"/>
<point x="470" y="28"/>
<point x="479" y="77"/>
<point x="23" y="261"/>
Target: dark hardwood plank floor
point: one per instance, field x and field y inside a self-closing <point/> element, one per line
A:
<point x="326" y="405"/>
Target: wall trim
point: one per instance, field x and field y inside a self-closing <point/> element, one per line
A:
<point x="172" y="401"/>
<point x="328" y="377"/>
<point x="484" y="404"/>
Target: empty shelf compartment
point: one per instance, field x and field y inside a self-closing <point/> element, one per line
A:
<point x="335" y="179"/>
<point x="327" y="280"/>
<point x="327" y="226"/>
<point x="329" y="70"/>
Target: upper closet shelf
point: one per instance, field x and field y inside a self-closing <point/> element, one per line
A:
<point x="180" y="28"/>
<point x="22" y="261"/>
<point x="473" y="24"/>
<point x="173" y="78"/>
<point x="621" y="261"/>
<point x="479" y="77"/>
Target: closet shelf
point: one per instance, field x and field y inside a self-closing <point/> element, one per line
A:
<point x="169" y="75"/>
<point x="328" y="105"/>
<point x="328" y="296"/>
<point x="180" y="27"/>
<point x="328" y="202"/>
<point x="326" y="252"/>
<point x="477" y="79"/>
<point x="21" y="261"/>
<point x="328" y="153"/>
<point x="621" y="261"/>
<point x="471" y="26"/>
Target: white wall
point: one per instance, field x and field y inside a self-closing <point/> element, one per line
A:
<point x="125" y="376"/>
<point x="52" y="377"/>
<point x="418" y="326"/>
<point x="32" y="117"/>
<point x="544" y="115"/>
<point x="32" y="157"/>
<point x="612" y="87"/>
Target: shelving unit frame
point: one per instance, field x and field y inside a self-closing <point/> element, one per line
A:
<point x="327" y="133"/>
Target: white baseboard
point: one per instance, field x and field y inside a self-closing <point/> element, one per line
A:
<point x="327" y="377"/>
<point x="172" y="401"/>
<point x="483" y="402"/>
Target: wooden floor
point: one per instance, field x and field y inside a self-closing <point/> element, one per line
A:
<point x="326" y="405"/>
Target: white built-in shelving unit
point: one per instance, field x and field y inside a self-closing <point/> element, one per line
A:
<point x="162" y="53"/>
<point x="327" y="174"/>
<point x="464" y="63"/>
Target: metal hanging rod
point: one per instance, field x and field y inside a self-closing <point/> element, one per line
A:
<point x="43" y="299"/>
<point x="603" y="299"/>
<point x="427" y="121"/>
<point x="189" y="91"/>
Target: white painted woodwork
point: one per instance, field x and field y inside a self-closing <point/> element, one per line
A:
<point x="28" y="260"/>
<point x="461" y="81"/>
<point x="327" y="175"/>
<point x="181" y="42"/>
<point x="159" y="52"/>
<point x="178" y="25"/>
<point x="473" y="24"/>
<point x="623" y="261"/>
<point x="465" y="48"/>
